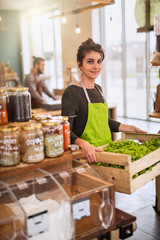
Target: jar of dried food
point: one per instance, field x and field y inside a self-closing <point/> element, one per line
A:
<point x="9" y="146"/>
<point x="3" y="106"/>
<point x="66" y="130"/>
<point x="53" y="138"/>
<point x="19" y="104"/>
<point x="31" y="143"/>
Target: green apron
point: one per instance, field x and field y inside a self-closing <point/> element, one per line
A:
<point x="97" y="131"/>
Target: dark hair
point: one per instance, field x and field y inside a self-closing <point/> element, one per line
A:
<point x="37" y="60"/>
<point x="86" y="47"/>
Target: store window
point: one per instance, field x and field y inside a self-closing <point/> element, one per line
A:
<point x="44" y="40"/>
<point x="113" y="49"/>
<point x="130" y="81"/>
<point x="135" y="65"/>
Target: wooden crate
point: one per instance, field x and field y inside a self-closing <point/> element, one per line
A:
<point x="123" y="178"/>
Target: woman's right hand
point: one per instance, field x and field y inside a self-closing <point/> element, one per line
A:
<point x="88" y="149"/>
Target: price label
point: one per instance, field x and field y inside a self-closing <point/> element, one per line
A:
<point x="37" y="223"/>
<point x="41" y="180"/>
<point x="64" y="174"/>
<point x="81" y="208"/>
<point x="22" y="186"/>
<point x="80" y="170"/>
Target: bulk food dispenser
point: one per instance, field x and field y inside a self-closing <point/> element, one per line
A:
<point x="34" y="206"/>
<point x="93" y="202"/>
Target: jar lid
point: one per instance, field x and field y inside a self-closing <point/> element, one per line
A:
<point x="3" y="90"/>
<point x="19" y="89"/>
<point x="9" y="128"/>
<point x="31" y="126"/>
<point x="39" y="117"/>
<point x="51" y="122"/>
<point x="65" y="118"/>
<point x="60" y="118"/>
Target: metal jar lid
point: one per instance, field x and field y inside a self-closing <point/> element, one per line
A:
<point x="49" y="123"/>
<point x="10" y="128"/>
<point x="31" y="126"/>
<point x="18" y="89"/>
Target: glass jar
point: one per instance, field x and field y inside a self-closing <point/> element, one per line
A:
<point x="3" y="106"/>
<point x="66" y="130"/>
<point x="9" y="146"/>
<point x="19" y="105"/>
<point x="53" y="138"/>
<point x="31" y="143"/>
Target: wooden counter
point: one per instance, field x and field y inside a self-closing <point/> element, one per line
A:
<point x="23" y="167"/>
<point x="44" y="111"/>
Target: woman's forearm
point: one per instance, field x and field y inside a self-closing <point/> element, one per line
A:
<point x="130" y="128"/>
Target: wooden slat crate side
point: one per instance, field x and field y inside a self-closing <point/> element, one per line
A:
<point x="123" y="180"/>
<point x="119" y="177"/>
<point x="145" y="162"/>
<point x="145" y="178"/>
<point x="136" y="136"/>
<point x="114" y="158"/>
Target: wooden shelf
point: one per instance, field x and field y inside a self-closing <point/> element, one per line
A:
<point x="23" y="167"/>
<point x="44" y="111"/>
<point x="154" y="115"/>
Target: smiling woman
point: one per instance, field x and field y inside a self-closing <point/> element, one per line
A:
<point x="90" y="126"/>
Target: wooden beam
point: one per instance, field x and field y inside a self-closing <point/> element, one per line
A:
<point x="98" y="1"/>
<point x="147" y="27"/>
<point x="81" y="10"/>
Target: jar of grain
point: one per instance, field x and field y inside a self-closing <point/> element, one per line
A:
<point x="9" y="146"/>
<point x="53" y="138"/>
<point x="31" y="143"/>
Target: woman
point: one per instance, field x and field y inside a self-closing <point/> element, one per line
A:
<point x="86" y="106"/>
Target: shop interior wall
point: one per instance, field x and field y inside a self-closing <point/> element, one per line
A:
<point x="71" y="40"/>
<point x="10" y="43"/>
<point x="10" y="40"/>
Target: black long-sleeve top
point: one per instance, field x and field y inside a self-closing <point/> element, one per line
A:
<point x="75" y="105"/>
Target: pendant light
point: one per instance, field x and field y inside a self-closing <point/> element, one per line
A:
<point x="63" y="18"/>
<point x="77" y="29"/>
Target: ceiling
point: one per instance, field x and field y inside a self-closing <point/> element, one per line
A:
<point x="16" y="5"/>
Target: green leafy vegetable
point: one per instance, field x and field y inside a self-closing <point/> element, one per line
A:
<point x="135" y="149"/>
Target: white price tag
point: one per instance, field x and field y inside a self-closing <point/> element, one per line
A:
<point x="22" y="186"/>
<point x="80" y="170"/>
<point x="37" y="223"/>
<point x="64" y="174"/>
<point x="81" y="208"/>
<point x="41" y="180"/>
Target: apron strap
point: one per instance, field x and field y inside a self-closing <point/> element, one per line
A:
<point x="85" y="91"/>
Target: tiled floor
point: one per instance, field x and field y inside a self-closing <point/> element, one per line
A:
<point x="141" y="202"/>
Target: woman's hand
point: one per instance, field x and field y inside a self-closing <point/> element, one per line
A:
<point x="88" y="149"/>
<point x="130" y="128"/>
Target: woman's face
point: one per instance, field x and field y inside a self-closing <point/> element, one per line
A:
<point x="92" y="65"/>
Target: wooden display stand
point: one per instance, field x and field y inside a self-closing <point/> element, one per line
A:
<point x="157" y="205"/>
<point x="127" y="184"/>
<point x="124" y="224"/>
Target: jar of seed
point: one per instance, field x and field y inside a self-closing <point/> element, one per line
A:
<point x="9" y="146"/>
<point x="53" y="138"/>
<point x="31" y="143"/>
